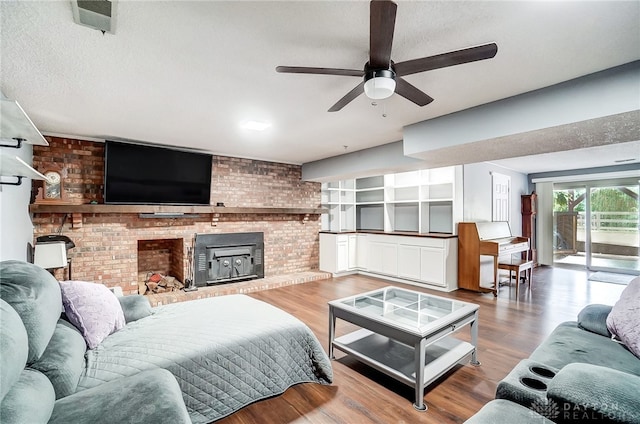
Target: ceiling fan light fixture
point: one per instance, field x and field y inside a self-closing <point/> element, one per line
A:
<point x="380" y="85"/>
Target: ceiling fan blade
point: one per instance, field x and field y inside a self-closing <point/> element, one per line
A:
<point x="319" y="71"/>
<point x="359" y="89"/>
<point x="411" y="93"/>
<point x="381" y="26"/>
<point x="457" y="57"/>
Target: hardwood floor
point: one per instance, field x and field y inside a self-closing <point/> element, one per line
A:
<point x="509" y="331"/>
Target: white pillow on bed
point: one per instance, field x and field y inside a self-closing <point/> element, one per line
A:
<point x="93" y="309"/>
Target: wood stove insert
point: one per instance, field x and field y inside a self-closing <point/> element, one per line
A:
<point x="228" y="257"/>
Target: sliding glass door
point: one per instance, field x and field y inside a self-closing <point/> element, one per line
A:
<point x="596" y="225"/>
<point x="612" y="228"/>
<point x="569" y="204"/>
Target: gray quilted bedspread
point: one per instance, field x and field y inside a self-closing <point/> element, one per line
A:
<point x="226" y="352"/>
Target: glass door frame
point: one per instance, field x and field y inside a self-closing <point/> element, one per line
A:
<point x="588" y="186"/>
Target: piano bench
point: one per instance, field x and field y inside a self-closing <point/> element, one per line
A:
<point x="518" y="266"/>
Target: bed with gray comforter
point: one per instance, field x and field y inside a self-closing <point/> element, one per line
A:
<point x="226" y="352"/>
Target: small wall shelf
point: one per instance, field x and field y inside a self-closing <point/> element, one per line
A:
<point x="13" y="166"/>
<point x="16" y="127"/>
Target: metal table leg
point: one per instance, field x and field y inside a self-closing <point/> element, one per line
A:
<point x="474" y="340"/>
<point x="420" y="349"/>
<point x="332" y="331"/>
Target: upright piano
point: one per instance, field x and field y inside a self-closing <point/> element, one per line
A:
<point x="488" y="239"/>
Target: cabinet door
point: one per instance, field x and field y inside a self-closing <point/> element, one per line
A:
<point x="383" y="258"/>
<point x="342" y="255"/>
<point x="432" y="265"/>
<point x="328" y="252"/>
<point x="353" y="252"/>
<point x="362" y="255"/>
<point x="409" y="262"/>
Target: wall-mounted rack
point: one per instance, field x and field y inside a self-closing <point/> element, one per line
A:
<point x="16" y="127"/>
<point x="14" y="167"/>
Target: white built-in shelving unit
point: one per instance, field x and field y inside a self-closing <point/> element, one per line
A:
<point x="423" y="201"/>
<point x="339" y="198"/>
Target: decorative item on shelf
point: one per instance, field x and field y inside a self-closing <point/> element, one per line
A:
<point x="53" y="191"/>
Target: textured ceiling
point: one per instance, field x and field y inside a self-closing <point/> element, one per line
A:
<point x="188" y="73"/>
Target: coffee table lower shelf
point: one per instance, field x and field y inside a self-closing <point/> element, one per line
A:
<point x="398" y="360"/>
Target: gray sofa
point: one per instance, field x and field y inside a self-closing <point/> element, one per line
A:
<point x="578" y="374"/>
<point x="195" y="361"/>
<point x="41" y="359"/>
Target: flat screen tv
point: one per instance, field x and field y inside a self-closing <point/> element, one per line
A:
<point x="142" y="174"/>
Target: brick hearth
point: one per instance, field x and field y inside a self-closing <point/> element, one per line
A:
<point x="241" y="287"/>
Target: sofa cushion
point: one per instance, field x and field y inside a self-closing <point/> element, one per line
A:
<point x="151" y="396"/>
<point x="35" y="295"/>
<point x="500" y="411"/>
<point x="594" y="318"/>
<point x="568" y="344"/>
<point x="135" y="307"/>
<point x="30" y="400"/>
<point x="624" y="319"/>
<point x="14" y="347"/>
<point x="93" y="309"/>
<point x="589" y="393"/>
<point x="63" y="360"/>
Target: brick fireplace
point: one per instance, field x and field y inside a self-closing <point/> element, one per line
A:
<point x="116" y="248"/>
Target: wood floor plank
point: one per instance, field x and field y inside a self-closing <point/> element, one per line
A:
<point x="509" y="331"/>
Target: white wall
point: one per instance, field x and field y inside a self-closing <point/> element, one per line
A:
<point x="379" y="160"/>
<point x="478" y="194"/>
<point x="16" y="229"/>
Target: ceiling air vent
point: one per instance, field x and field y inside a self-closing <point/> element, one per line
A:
<point x="96" y="14"/>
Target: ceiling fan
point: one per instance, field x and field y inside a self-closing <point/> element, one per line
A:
<point x="383" y="77"/>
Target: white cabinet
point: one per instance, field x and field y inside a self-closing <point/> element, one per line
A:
<point x="409" y="262"/>
<point x="426" y="261"/>
<point x="383" y="258"/>
<point x="342" y="254"/>
<point x="338" y="252"/>
<point x="362" y="251"/>
<point x="352" y="252"/>
<point x="433" y="265"/>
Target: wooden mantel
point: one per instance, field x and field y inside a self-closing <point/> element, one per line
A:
<point x="77" y="210"/>
<point x="88" y="208"/>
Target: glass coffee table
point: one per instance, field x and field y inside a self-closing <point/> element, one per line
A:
<point x="405" y="334"/>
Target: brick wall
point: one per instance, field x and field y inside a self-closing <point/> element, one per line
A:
<point x="107" y="245"/>
<point x="82" y="165"/>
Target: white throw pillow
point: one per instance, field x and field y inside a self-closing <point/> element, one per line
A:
<point x="624" y="319"/>
<point x="93" y="309"/>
